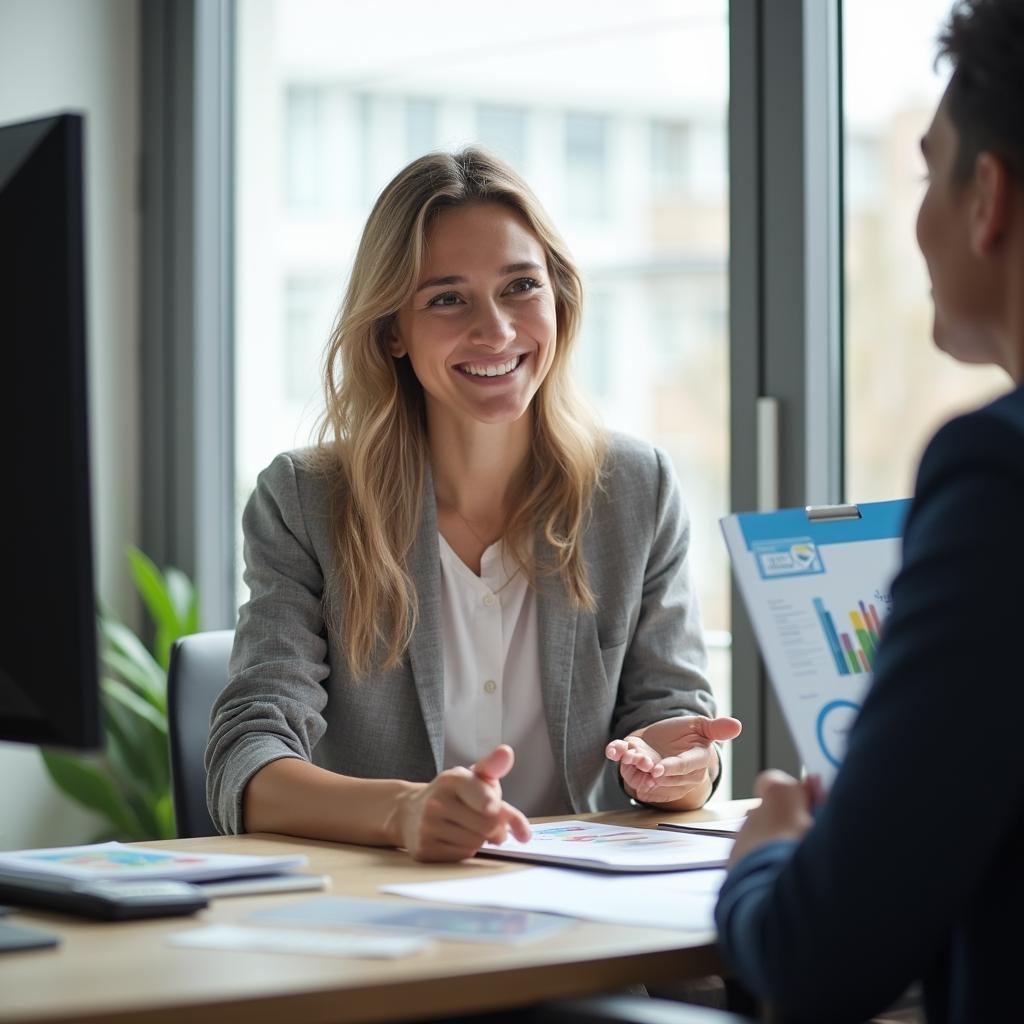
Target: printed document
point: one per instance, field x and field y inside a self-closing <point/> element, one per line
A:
<point x="587" y="844"/>
<point x="817" y="591"/>
<point x="682" y="899"/>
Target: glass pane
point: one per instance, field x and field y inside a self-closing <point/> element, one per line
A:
<point x="899" y="387"/>
<point x="616" y="115"/>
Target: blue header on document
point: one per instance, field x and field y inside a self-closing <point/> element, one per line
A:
<point x="786" y="543"/>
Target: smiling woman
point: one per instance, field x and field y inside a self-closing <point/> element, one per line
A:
<point x="466" y="569"/>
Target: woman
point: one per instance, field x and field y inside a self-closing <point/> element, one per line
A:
<point x="464" y="564"/>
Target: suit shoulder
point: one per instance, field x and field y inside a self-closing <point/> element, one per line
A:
<point x="305" y="474"/>
<point x="992" y="435"/>
<point x="633" y="462"/>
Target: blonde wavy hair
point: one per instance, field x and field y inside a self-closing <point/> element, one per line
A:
<point x="372" y="434"/>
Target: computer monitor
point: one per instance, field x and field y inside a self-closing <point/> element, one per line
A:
<point x="49" y="691"/>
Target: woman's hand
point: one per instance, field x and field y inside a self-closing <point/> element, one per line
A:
<point x="673" y="762"/>
<point x="784" y="813"/>
<point x="451" y="817"/>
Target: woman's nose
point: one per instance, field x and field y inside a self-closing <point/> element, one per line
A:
<point x="492" y="327"/>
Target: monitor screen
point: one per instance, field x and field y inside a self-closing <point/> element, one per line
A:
<point x="49" y="690"/>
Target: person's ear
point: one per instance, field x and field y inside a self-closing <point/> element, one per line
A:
<point x="395" y="344"/>
<point x="990" y="203"/>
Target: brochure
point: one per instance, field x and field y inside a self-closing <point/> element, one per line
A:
<point x="816" y="583"/>
<point x="105" y="861"/>
<point x="587" y="844"/>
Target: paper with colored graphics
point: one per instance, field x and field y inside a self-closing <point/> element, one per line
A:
<point x="588" y="844"/>
<point x="106" y="861"/>
<point x="817" y="593"/>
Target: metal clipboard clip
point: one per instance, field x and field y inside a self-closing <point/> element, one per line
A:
<point x="831" y="513"/>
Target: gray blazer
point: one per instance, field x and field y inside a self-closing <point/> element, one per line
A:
<point x="638" y="659"/>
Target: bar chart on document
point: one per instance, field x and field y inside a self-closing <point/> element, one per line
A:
<point x="816" y="586"/>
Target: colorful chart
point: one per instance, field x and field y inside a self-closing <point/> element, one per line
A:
<point x="107" y="860"/>
<point x="853" y="651"/>
<point x="833" y="726"/>
<point x="584" y="834"/>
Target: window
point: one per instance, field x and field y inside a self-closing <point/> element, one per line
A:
<point x="669" y="158"/>
<point x="586" y="158"/>
<point x="503" y="131"/>
<point x="305" y="151"/>
<point x="420" y="127"/>
<point x="308" y="309"/>
<point x="899" y="387"/>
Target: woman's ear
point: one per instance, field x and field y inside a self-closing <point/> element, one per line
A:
<point x="395" y="344"/>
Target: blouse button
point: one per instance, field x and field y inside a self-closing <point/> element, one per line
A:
<point x="489" y="600"/>
<point x="490" y="686"/>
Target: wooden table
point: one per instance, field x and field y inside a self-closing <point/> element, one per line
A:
<point x="126" y="971"/>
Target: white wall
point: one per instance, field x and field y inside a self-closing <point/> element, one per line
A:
<point x="83" y="55"/>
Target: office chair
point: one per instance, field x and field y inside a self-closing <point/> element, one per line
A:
<point x="197" y="673"/>
<point x="606" y="1009"/>
<point x="630" y="1009"/>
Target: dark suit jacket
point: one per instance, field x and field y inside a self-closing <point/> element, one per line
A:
<point x="914" y="868"/>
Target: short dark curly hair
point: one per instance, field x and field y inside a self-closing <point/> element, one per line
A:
<point x="984" y="42"/>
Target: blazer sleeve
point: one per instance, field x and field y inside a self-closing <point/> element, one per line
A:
<point x="881" y="869"/>
<point x="663" y="670"/>
<point x="273" y="703"/>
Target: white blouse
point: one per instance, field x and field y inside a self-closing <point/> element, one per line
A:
<point x="492" y="688"/>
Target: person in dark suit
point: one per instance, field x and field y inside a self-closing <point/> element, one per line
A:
<point x="911" y="869"/>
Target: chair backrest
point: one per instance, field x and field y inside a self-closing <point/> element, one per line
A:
<point x="197" y="673"/>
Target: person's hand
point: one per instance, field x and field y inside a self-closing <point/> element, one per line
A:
<point x="784" y="813"/>
<point x="451" y="817"/>
<point x="672" y="762"/>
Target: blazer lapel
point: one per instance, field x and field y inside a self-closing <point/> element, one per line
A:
<point x="425" y="646"/>
<point x="556" y="626"/>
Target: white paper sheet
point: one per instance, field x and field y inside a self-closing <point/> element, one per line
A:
<point x="476" y="925"/>
<point x="283" y="940"/>
<point x="614" y="847"/>
<point x="683" y="900"/>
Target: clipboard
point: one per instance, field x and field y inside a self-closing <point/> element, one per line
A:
<point x="816" y="584"/>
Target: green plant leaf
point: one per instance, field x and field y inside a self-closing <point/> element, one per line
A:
<point x="164" y="808"/>
<point x="136" y="676"/>
<point x="163" y="638"/>
<point x="136" y="741"/>
<point x="118" y="693"/>
<point x="90" y="786"/>
<point x="183" y="596"/>
<point x="153" y="589"/>
<point x="139" y="667"/>
<point x="144" y="809"/>
<point x="131" y="786"/>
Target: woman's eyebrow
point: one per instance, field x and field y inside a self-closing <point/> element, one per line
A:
<point x="511" y="268"/>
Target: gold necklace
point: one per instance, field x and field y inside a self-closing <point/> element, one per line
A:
<point x="469" y="526"/>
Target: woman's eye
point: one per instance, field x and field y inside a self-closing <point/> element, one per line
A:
<point x="444" y="299"/>
<point x="524" y="284"/>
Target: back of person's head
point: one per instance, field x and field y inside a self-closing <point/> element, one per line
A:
<point x="984" y="42"/>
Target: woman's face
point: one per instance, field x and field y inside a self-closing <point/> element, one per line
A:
<point x="480" y="327"/>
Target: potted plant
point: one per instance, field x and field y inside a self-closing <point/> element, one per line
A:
<point x="129" y="784"/>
